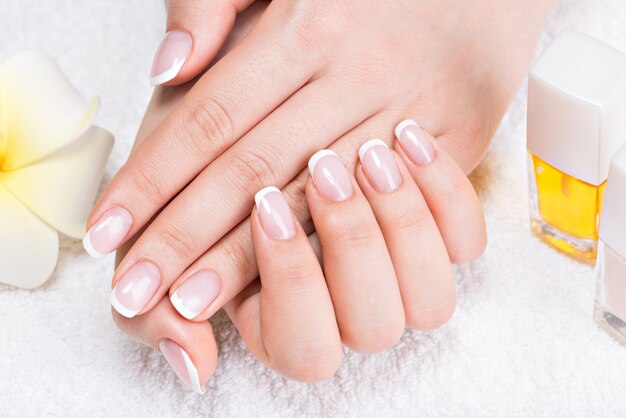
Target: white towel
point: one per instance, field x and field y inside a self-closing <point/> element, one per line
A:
<point x="522" y="342"/>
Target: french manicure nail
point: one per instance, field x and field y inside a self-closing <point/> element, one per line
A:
<point x="275" y="214"/>
<point x="196" y="293"/>
<point x="330" y="176"/>
<point x="105" y="236"/>
<point x="181" y="363"/>
<point x="135" y="289"/>
<point x="172" y="53"/>
<point x="379" y="166"/>
<point x="415" y="143"/>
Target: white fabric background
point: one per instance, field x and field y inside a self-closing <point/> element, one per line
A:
<point x="522" y="342"/>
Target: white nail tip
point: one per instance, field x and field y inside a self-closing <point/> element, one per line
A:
<point x="168" y="75"/>
<point x="89" y="247"/>
<point x="368" y="145"/>
<point x="194" y="378"/>
<point x="120" y="308"/>
<point x="318" y="156"/>
<point x="180" y="307"/>
<point x="258" y="197"/>
<point x="404" y="124"/>
<point x="190" y="368"/>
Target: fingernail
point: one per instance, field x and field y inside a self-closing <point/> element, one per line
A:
<point x="136" y="287"/>
<point x="105" y="236"/>
<point x="170" y="56"/>
<point x="196" y="293"/>
<point x="330" y="176"/>
<point x="180" y="361"/>
<point x="415" y="143"/>
<point x="379" y="166"/>
<point x="275" y="214"/>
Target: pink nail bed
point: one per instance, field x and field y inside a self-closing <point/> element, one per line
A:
<point x="380" y="166"/>
<point x="415" y="143"/>
<point x="196" y="293"/>
<point x="105" y="236"/>
<point x="181" y="363"/>
<point x="135" y="289"/>
<point x="275" y="214"/>
<point x="330" y="175"/>
<point x="172" y="53"/>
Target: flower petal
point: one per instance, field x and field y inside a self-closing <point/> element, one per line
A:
<point x="40" y="109"/>
<point x="61" y="188"/>
<point x="28" y="249"/>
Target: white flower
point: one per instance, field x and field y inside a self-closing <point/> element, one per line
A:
<point x="51" y="164"/>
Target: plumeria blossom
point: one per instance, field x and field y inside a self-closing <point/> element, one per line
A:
<point x="51" y="164"/>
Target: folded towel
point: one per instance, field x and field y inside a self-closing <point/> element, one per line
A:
<point x="522" y="342"/>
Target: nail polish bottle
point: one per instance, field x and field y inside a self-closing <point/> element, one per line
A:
<point x="576" y="122"/>
<point x="610" y="307"/>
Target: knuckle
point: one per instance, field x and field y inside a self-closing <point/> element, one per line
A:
<point x="354" y="231"/>
<point x="190" y="11"/>
<point x="456" y="190"/>
<point x="238" y="252"/>
<point x="411" y="220"/>
<point x="313" y="25"/>
<point x="295" y="273"/>
<point x="298" y="278"/>
<point x="177" y="240"/>
<point x="253" y="170"/>
<point x="149" y="187"/>
<point x="209" y="127"/>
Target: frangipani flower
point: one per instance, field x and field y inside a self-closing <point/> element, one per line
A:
<point x="51" y="164"/>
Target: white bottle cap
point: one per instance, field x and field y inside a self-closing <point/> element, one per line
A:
<point x="577" y="106"/>
<point x="613" y="218"/>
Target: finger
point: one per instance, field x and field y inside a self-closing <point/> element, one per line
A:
<point x="240" y="90"/>
<point x="417" y="250"/>
<point x="461" y="226"/>
<point x="165" y="99"/>
<point x="294" y="329"/>
<point x="357" y="266"/>
<point x="266" y="155"/>
<point x="196" y="30"/>
<point x="232" y="257"/>
<point x="188" y="347"/>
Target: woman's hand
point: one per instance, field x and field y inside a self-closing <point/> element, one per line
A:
<point x="309" y="74"/>
<point x="384" y="261"/>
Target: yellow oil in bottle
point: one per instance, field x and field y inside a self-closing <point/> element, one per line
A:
<point x="565" y="211"/>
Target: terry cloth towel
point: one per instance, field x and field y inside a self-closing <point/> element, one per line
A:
<point x="522" y="342"/>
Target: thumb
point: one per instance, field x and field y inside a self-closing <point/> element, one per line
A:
<point x="196" y="30"/>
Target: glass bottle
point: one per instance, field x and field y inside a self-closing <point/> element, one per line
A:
<point x="576" y="122"/>
<point x="610" y="305"/>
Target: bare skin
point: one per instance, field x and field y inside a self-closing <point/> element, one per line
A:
<point x="452" y="66"/>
